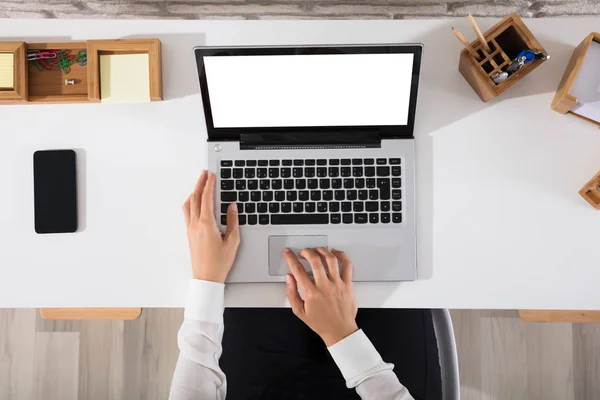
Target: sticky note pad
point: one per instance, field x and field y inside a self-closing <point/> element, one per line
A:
<point x="7" y="72"/>
<point x="124" y="78"/>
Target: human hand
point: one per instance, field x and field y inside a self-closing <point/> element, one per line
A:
<point x="213" y="252"/>
<point x="329" y="307"/>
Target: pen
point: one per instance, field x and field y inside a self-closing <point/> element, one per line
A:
<point x="465" y="43"/>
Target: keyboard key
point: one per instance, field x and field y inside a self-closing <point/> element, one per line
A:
<point x="383" y="171"/>
<point x="265" y="184"/>
<point x="263" y="219"/>
<point x="396" y="218"/>
<point x="322" y="207"/>
<point x="324" y="183"/>
<point x="327" y="195"/>
<point x="396" y="170"/>
<point x="321" y="172"/>
<point x="240" y="207"/>
<point x="368" y="161"/>
<point x="286" y="207"/>
<point x="371" y="183"/>
<point x="273" y="208"/>
<point x="346" y="206"/>
<point x="310" y="207"/>
<point x="312" y="184"/>
<point x="334" y="162"/>
<point x="357" y="161"/>
<point x="286" y="162"/>
<point x="298" y="172"/>
<point x="273" y="163"/>
<point x="280" y="195"/>
<point x="298" y="207"/>
<point x="261" y="173"/>
<point x="226" y="185"/>
<point x="238" y="173"/>
<point x="250" y="208"/>
<point x="346" y="161"/>
<point x="340" y="195"/>
<point x="321" y="162"/>
<point x="267" y="195"/>
<point x="261" y="208"/>
<point x="359" y="183"/>
<point x="225" y="173"/>
<point x="336" y="183"/>
<point x="348" y="183"/>
<point x="249" y="173"/>
<point x="372" y="206"/>
<point x="363" y="194"/>
<point x="298" y="162"/>
<point x="385" y="218"/>
<point x="357" y="172"/>
<point x="276" y="184"/>
<point x="273" y="173"/>
<point x="303" y="195"/>
<point x="352" y="195"/>
<point x="228" y="197"/>
<point x="240" y="185"/>
<point x="396" y="194"/>
<point x="286" y="172"/>
<point x="383" y="184"/>
<point x="224" y="208"/>
<point x="242" y="219"/>
<point x="288" y="184"/>
<point x="250" y="163"/>
<point x="334" y="206"/>
<point x="373" y="195"/>
<point x="346" y="172"/>
<point x="252" y="219"/>
<point x="299" y="219"/>
<point x="226" y="163"/>
<point x="335" y="218"/>
<point x="255" y="196"/>
<point x="263" y="163"/>
<point x="385" y="206"/>
<point x="396" y="206"/>
<point x="253" y="184"/>
<point x="396" y="182"/>
<point x="291" y="195"/>
<point x="315" y="195"/>
<point x="381" y="161"/>
<point x="240" y="163"/>
<point x="223" y="220"/>
<point x="300" y="184"/>
<point x="394" y="161"/>
<point x="244" y="196"/>
<point x="360" y="218"/>
<point x="334" y="172"/>
<point x="347" y="218"/>
<point x="369" y="171"/>
<point x="309" y="162"/>
<point x="310" y="172"/>
<point x="358" y="206"/>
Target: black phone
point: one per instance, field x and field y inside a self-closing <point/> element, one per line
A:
<point x="55" y="191"/>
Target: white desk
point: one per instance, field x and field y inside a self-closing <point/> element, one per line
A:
<point x="500" y="222"/>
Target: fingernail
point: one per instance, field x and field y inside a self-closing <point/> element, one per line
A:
<point x="286" y="250"/>
<point x="234" y="207"/>
<point x="288" y="279"/>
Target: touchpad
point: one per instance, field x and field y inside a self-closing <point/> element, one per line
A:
<point x="277" y="264"/>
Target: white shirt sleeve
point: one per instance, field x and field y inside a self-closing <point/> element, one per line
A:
<point x="362" y="367"/>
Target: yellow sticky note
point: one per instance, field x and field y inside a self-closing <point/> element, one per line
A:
<point x="7" y="72"/>
<point x="124" y="78"/>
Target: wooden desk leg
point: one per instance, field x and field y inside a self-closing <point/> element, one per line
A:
<point x="559" y="316"/>
<point x="91" y="313"/>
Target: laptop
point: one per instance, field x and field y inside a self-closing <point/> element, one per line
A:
<point x="315" y="145"/>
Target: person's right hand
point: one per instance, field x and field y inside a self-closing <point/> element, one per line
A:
<point x="329" y="307"/>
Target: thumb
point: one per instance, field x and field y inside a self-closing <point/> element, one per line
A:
<point x="232" y="234"/>
<point x="291" y="290"/>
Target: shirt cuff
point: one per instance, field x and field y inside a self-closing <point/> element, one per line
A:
<point x="355" y="355"/>
<point x="205" y="301"/>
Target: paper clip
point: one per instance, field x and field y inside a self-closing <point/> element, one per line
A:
<point x="82" y="58"/>
<point x="41" y="55"/>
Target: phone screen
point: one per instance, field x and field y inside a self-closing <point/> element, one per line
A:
<point x="55" y="191"/>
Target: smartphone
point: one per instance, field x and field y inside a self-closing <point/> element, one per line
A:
<point x="55" y="191"/>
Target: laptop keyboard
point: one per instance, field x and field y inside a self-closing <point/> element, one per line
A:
<point x="313" y="191"/>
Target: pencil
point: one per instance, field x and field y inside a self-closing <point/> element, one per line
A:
<point x="478" y="33"/>
<point x="465" y="43"/>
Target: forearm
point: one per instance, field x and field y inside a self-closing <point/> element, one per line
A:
<point x="363" y="368"/>
<point x="197" y="374"/>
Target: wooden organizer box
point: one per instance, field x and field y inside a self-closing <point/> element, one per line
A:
<point x="563" y="101"/>
<point x="505" y="39"/>
<point x="34" y="86"/>
<point x="591" y="191"/>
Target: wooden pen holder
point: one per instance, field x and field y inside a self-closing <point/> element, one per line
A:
<point x="505" y="39"/>
<point x="591" y="191"/>
<point x="32" y="85"/>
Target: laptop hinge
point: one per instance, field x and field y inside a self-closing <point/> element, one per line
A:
<point x="309" y="140"/>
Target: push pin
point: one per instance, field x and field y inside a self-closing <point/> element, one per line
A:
<point x="591" y="192"/>
<point x="69" y="82"/>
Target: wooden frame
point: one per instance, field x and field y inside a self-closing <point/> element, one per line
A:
<point x="152" y="47"/>
<point x="559" y="316"/>
<point x="510" y="33"/>
<point x="591" y="191"/>
<point x="91" y="313"/>
<point x="19" y="91"/>
<point x="563" y="101"/>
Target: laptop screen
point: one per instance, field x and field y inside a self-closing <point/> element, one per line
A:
<point x="310" y="90"/>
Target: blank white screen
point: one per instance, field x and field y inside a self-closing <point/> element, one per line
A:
<point x="309" y="90"/>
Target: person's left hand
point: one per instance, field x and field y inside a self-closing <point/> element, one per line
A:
<point x="213" y="252"/>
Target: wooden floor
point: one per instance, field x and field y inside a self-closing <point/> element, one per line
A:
<point x="501" y="357"/>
